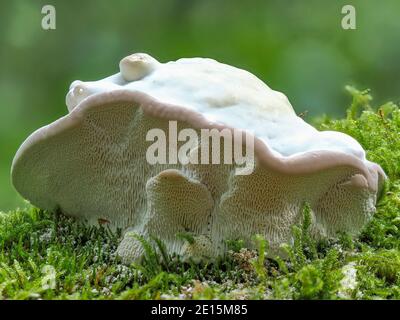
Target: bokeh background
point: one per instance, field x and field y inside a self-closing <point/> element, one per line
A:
<point x="297" y="47"/>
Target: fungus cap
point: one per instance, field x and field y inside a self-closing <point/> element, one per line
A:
<point x="91" y="163"/>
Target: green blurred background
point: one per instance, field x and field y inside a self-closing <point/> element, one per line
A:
<point x="297" y="47"/>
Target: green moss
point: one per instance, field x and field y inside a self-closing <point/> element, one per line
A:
<point x="53" y="257"/>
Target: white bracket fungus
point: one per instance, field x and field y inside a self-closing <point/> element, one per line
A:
<point x="91" y="163"/>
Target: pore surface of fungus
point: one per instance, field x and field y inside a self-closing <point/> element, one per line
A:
<point x="92" y="162"/>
